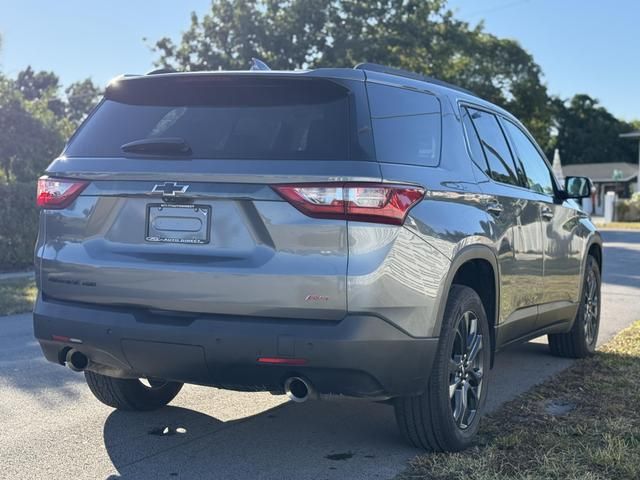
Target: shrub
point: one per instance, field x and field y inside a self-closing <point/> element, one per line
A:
<point x="628" y="210"/>
<point x="18" y="225"/>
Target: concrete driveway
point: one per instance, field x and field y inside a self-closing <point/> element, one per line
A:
<point x="52" y="427"/>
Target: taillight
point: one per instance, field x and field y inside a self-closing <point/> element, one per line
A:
<point x="361" y="202"/>
<point x="58" y="192"/>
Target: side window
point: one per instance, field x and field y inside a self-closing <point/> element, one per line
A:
<point x="406" y="125"/>
<point x="495" y="147"/>
<point x="477" y="155"/>
<point x="536" y="170"/>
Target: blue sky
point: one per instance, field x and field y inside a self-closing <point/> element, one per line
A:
<point x="582" y="45"/>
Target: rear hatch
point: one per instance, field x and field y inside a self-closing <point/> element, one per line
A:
<point x="171" y="205"/>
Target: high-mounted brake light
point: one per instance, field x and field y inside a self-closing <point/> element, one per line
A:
<point x="58" y="192"/>
<point x="361" y="202"/>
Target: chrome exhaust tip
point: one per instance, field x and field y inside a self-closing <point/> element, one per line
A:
<point x="76" y="361"/>
<point x="298" y="389"/>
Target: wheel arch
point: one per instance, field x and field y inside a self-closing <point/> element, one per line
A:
<point x="594" y="248"/>
<point x="475" y="266"/>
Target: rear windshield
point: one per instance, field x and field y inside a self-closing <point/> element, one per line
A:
<point x="220" y="117"/>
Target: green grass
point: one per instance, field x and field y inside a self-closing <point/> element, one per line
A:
<point x="598" y="438"/>
<point x="17" y="296"/>
<point x="619" y="225"/>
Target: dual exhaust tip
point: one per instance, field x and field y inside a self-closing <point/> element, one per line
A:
<point x="76" y="361"/>
<point x="298" y="389"/>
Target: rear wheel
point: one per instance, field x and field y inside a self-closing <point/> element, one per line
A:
<point x="581" y="340"/>
<point x="131" y="394"/>
<point x="447" y="415"/>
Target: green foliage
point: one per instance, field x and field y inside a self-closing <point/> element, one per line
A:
<point x="418" y="35"/>
<point x="35" y="120"/>
<point x="17" y="296"/>
<point x="81" y="98"/>
<point x="628" y="210"/>
<point x="33" y="85"/>
<point x="18" y="224"/>
<point x="31" y="133"/>
<point x="588" y="133"/>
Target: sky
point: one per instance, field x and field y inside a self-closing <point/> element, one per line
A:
<point x="583" y="46"/>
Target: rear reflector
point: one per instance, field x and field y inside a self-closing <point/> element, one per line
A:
<point x="62" y="338"/>
<point x="282" y="361"/>
<point x="361" y="202"/>
<point x="58" y="192"/>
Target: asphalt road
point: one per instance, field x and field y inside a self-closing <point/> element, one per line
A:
<point x="51" y="426"/>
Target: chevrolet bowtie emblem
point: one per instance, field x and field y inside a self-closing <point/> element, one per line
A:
<point x="169" y="189"/>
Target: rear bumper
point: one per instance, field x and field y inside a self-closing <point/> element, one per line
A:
<point x="361" y="356"/>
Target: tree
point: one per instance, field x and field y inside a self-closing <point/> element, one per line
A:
<point x="81" y="98"/>
<point x="38" y="85"/>
<point x="31" y="133"/>
<point x="418" y="35"/>
<point x="588" y="133"/>
<point x="33" y="85"/>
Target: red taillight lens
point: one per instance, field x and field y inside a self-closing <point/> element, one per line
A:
<point x="361" y="202"/>
<point x="58" y="192"/>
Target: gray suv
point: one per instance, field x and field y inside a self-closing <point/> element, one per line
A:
<point x="363" y="232"/>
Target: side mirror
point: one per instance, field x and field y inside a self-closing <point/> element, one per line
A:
<point x="577" y="187"/>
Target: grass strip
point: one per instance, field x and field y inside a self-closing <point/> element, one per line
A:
<point x="619" y="225"/>
<point x="17" y="296"/>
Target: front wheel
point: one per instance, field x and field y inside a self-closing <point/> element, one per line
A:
<point x="581" y="340"/>
<point x="131" y="394"/>
<point x="447" y="415"/>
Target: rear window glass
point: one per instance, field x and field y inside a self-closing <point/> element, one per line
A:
<point x="223" y="118"/>
<point x="406" y="125"/>
<point x="494" y="144"/>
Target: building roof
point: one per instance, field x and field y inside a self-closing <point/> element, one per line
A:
<point x="603" y="172"/>
<point x="630" y="135"/>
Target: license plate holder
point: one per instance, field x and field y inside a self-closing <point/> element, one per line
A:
<point x="187" y="224"/>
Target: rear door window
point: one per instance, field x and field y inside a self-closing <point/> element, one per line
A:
<point x="475" y="148"/>
<point x="406" y="125"/>
<point x="234" y="118"/>
<point x="501" y="166"/>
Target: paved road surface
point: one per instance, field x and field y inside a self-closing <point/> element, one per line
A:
<point x="51" y="427"/>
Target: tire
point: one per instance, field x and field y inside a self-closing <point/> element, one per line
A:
<point x="131" y="394"/>
<point x="581" y="340"/>
<point x="428" y="420"/>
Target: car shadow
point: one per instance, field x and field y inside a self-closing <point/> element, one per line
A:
<point x="317" y="439"/>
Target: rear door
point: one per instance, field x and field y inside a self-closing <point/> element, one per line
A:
<point x="515" y="219"/>
<point x="179" y="212"/>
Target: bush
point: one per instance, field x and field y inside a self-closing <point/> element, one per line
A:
<point x="18" y="225"/>
<point x="628" y="210"/>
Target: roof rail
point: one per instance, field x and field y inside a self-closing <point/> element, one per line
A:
<point x="158" y="71"/>
<point x="375" y="67"/>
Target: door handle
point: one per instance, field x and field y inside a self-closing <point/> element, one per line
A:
<point x="546" y="213"/>
<point x="494" y="208"/>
